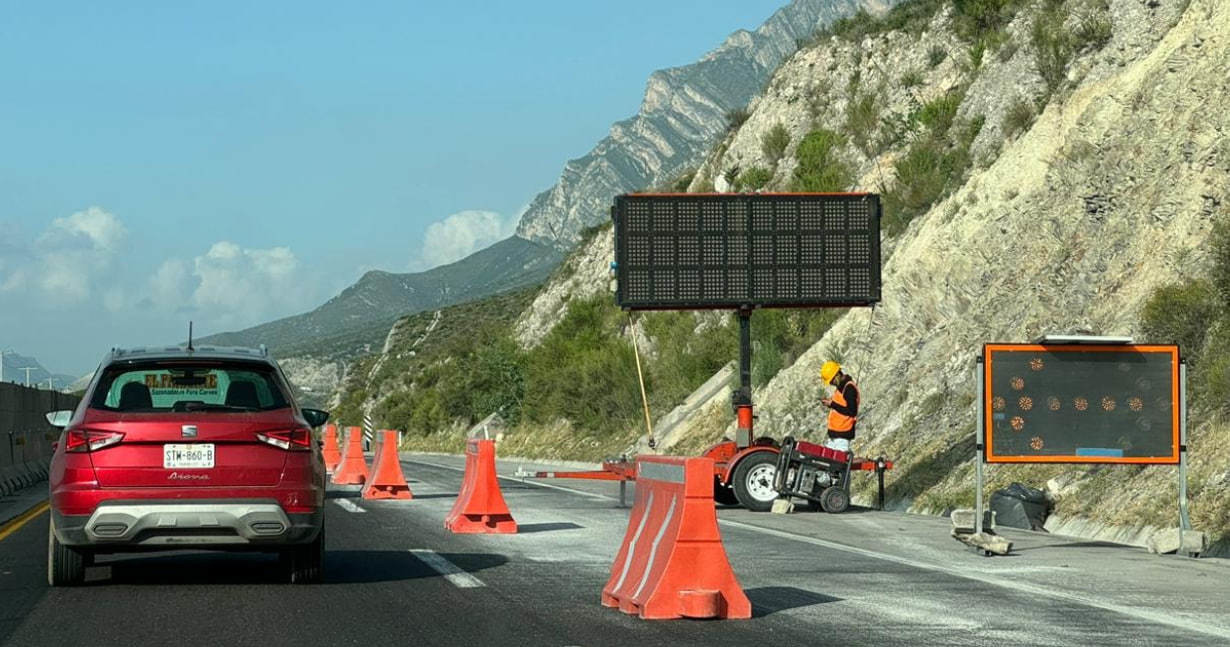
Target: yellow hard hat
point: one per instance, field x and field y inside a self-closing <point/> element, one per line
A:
<point x="828" y="370"/>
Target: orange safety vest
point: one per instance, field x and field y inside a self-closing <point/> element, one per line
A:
<point x="840" y="421"/>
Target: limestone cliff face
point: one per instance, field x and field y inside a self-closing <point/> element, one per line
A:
<point x="1111" y="193"/>
<point x="682" y="115"/>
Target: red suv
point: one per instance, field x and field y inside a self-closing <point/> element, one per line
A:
<point x="181" y="448"/>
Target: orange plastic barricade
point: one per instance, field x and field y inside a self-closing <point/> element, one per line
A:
<point x="672" y="563"/>
<point x="480" y="506"/>
<point x="387" y="481"/>
<point x="332" y="454"/>
<point x="352" y="470"/>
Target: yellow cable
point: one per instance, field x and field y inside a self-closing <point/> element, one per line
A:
<point x="641" y="378"/>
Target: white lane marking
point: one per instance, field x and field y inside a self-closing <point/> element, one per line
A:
<point x="1159" y="617"/>
<point x="348" y="505"/>
<point x="449" y="570"/>
<point x="583" y="493"/>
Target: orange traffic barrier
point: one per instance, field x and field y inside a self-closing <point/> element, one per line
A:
<point x="387" y="481"/>
<point x="480" y="506"/>
<point x="352" y="470"/>
<point x="332" y="454"/>
<point x="672" y="563"/>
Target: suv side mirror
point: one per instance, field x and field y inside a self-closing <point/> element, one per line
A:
<point x="315" y="417"/>
<point x="59" y="419"/>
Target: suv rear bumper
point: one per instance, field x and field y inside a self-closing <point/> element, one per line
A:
<point x="167" y="525"/>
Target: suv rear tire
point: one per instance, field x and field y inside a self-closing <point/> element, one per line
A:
<point x="305" y="564"/>
<point x="65" y="566"/>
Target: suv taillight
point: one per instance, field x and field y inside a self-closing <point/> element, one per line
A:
<point x="294" y="439"/>
<point x="84" y="440"/>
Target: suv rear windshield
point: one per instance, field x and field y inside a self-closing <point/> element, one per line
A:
<point x="188" y="386"/>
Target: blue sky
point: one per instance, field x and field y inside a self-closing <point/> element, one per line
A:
<point x="238" y="162"/>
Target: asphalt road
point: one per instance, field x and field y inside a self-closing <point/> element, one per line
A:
<point x="862" y="578"/>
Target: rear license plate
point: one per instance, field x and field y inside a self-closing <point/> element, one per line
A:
<point x="180" y="456"/>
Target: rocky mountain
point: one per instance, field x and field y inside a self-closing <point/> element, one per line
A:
<point x="12" y="365"/>
<point x="357" y="320"/>
<point x="685" y="110"/>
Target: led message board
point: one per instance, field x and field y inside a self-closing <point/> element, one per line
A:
<point x="1081" y="404"/>
<point x="689" y="251"/>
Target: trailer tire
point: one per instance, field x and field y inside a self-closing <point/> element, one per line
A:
<point x="834" y="500"/>
<point x="753" y="481"/>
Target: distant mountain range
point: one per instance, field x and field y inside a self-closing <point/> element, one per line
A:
<point x="13" y="363"/>
<point x="683" y="114"/>
<point x="359" y="317"/>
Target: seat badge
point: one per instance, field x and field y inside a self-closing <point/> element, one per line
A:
<point x="188" y="431"/>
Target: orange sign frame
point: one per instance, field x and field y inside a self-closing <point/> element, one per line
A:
<point x="1176" y="397"/>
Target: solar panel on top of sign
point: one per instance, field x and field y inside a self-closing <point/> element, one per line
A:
<point x="734" y="250"/>
<point x="1082" y="404"/>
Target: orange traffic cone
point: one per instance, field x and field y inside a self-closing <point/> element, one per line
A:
<point x="332" y="454"/>
<point x="352" y="470"/>
<point x="387" y="481"/>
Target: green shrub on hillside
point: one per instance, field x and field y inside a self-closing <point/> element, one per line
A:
<point x="820" y="167"/>
<point x="1196" y="315"/>
<point x="1219" y="250"/>
<point x="911" y="17"/>
<point x="584" y="372"/>
<point x="774" y="143"/>
<point x="934" y="165"/>
<point x="936" y="55"/>
<point x="1018" y="118"/>
<point x="736" y="118"/>
<point x="681" y="183"/>
<point x="685" y="357"/>
<point x="753" y="179"/>
<point x="1054" y="47"/>
<point x="863" y="120"/>
<point x="975" y="18"/>
<point x="1181" y="313"/>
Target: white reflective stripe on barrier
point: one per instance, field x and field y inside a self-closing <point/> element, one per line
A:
<point x="653" y="550"/>
<point x="635" y="538"/>
<point x="660" y="472"/>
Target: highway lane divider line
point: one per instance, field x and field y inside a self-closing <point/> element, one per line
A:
<point x="449" y="570"/>
<point x="549" y="486"/>
<point x="22" y="519"/>
<point x="348" y="505"/>
<point x="1159" y="617"/>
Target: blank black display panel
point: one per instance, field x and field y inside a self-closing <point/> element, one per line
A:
<point x="686" y="251"/>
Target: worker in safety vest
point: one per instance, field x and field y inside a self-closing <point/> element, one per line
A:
<point x="843" y="406"/>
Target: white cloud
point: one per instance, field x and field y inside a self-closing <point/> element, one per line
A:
<point x="237" y="285"/>
<point x="460" y="235"/>
<point x="64" y="262"/>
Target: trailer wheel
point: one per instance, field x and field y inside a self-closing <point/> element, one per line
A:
<point x="834" y="499"/>
<point x="753" y="481"/>
<point x="723" y="494"/>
